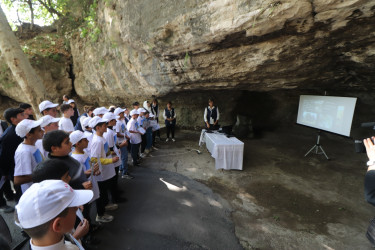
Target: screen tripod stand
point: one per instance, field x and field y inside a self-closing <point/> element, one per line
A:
<point x="317" y="148"/>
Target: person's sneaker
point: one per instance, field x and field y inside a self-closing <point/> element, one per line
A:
<point x="167" y="139"/>
<point x="147" y="151"/>
<point x="154" y="148"/>
<point x="127" y="176"/>
<point x="173" y="140"/>
<point x="120" y="172"/>
<point x="143" y="155"/>
<point x="105" y="218"/>
<point x="111" y="207"/>
<point x="7" y="209"/>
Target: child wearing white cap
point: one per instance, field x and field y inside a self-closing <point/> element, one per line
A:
<point x="27" y="156"/>
<point x="49" y="123"/>
<point x="111" y="137"/>
<point x="135" y="136"/>
<point x="99" y="150"/>
<point x="100" y="111"/>
<point x="123" y="136"/>
<point x="47" y="211"/>
<point x="65" y="122"/>
<point x="48" y="108"/>
<point x="80" y="142"/>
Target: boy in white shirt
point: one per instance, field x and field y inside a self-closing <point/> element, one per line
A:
<point x="49" y="123"/>
<point x="99" y="150"/>
<point x="47" y="211"/>
<point x="27" y="156"/>
<point x="65" y="122"/>
<point x="80" y="142"/>
<point x="48" y="108"/>
<point x="122" y="138"/>
<point x="111" y="138"/>
<point x="135" y="136"/>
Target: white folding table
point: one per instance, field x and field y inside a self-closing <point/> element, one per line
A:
<point x="227" y="151"/>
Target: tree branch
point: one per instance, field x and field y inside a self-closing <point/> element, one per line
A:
<point x="49" y="8"/>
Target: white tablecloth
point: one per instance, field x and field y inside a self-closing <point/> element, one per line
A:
<point x="228" y="152"/>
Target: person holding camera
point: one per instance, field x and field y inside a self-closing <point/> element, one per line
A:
<point x="370" y="174"/>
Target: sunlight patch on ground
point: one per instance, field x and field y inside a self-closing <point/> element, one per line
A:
<point x="212" y="202"/>
<point x="172" y="187"/>
<point x="186" y="203"/>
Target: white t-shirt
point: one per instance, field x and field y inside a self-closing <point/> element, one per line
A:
<point x="140" y="120"/>
<point x="84" y="159"/>
<point x="61" y="245"/>
<point x="89" y="138"/>
<point x="120" y="128"/>
<point x="39" y="145"/>
<point x="111" y="137"/>
<point x="26" y="158"/>
<point x="135" y="138"/>
<point x="99" y="148"/>
<point x="66" y="124"/>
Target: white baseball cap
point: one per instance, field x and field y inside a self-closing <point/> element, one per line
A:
<point x="151" y="115"/>
<point x="118" y="111"/>
<point x="25" y="126"/>
<point x="47" y="119"/>
<point x="70" y="101"/>
<point x="141" y="110"/>
<point x="85" y="122"/>
<point x="134" y="112"/>
<point x="110" y="116"/>
<point x="47" y="104"/>
<point x="76" y="136"/>
<point x="43" y="201"/>
<point x="100" y="111"/>
<point x="96" y="120"/>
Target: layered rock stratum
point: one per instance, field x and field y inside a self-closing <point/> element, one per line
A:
<point x="161" y="47"/>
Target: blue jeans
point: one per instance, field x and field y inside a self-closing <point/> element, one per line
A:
<point x="124" y="160"/>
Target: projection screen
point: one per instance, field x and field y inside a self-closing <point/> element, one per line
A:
<point x="330" y="113"/>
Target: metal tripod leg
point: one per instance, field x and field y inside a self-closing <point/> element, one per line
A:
<point x="320" y="147"/>
<point x="315" y="146"/>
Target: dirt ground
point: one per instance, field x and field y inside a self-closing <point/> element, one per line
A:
<point x="281" y="199"/>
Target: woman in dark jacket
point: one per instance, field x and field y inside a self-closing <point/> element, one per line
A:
<point x="170" y="120"/>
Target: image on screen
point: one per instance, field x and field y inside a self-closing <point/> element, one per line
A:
<point x="330" y="113"/>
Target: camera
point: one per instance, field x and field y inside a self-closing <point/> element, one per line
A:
<point x="358" y="144"/>
<point x="360" y="147"/>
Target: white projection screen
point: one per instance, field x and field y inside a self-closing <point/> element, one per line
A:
<point x="330" y="113"/>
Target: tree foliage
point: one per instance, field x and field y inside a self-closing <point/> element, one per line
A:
<point x="49" y="10"/>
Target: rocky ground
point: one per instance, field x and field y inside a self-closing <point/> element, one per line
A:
<point x="281" y="199"/>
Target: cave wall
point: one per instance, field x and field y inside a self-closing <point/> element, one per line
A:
<point x="157" y="47"/>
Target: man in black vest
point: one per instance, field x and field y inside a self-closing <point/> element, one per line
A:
<point x="9" y="142"/>
<point x="211" y="116"/>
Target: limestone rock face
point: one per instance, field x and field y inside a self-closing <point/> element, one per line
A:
<point x="161" y="47"/>
<point x="55" y="76"/>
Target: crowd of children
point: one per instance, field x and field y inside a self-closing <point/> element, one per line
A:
<point x="54" y="162"/>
